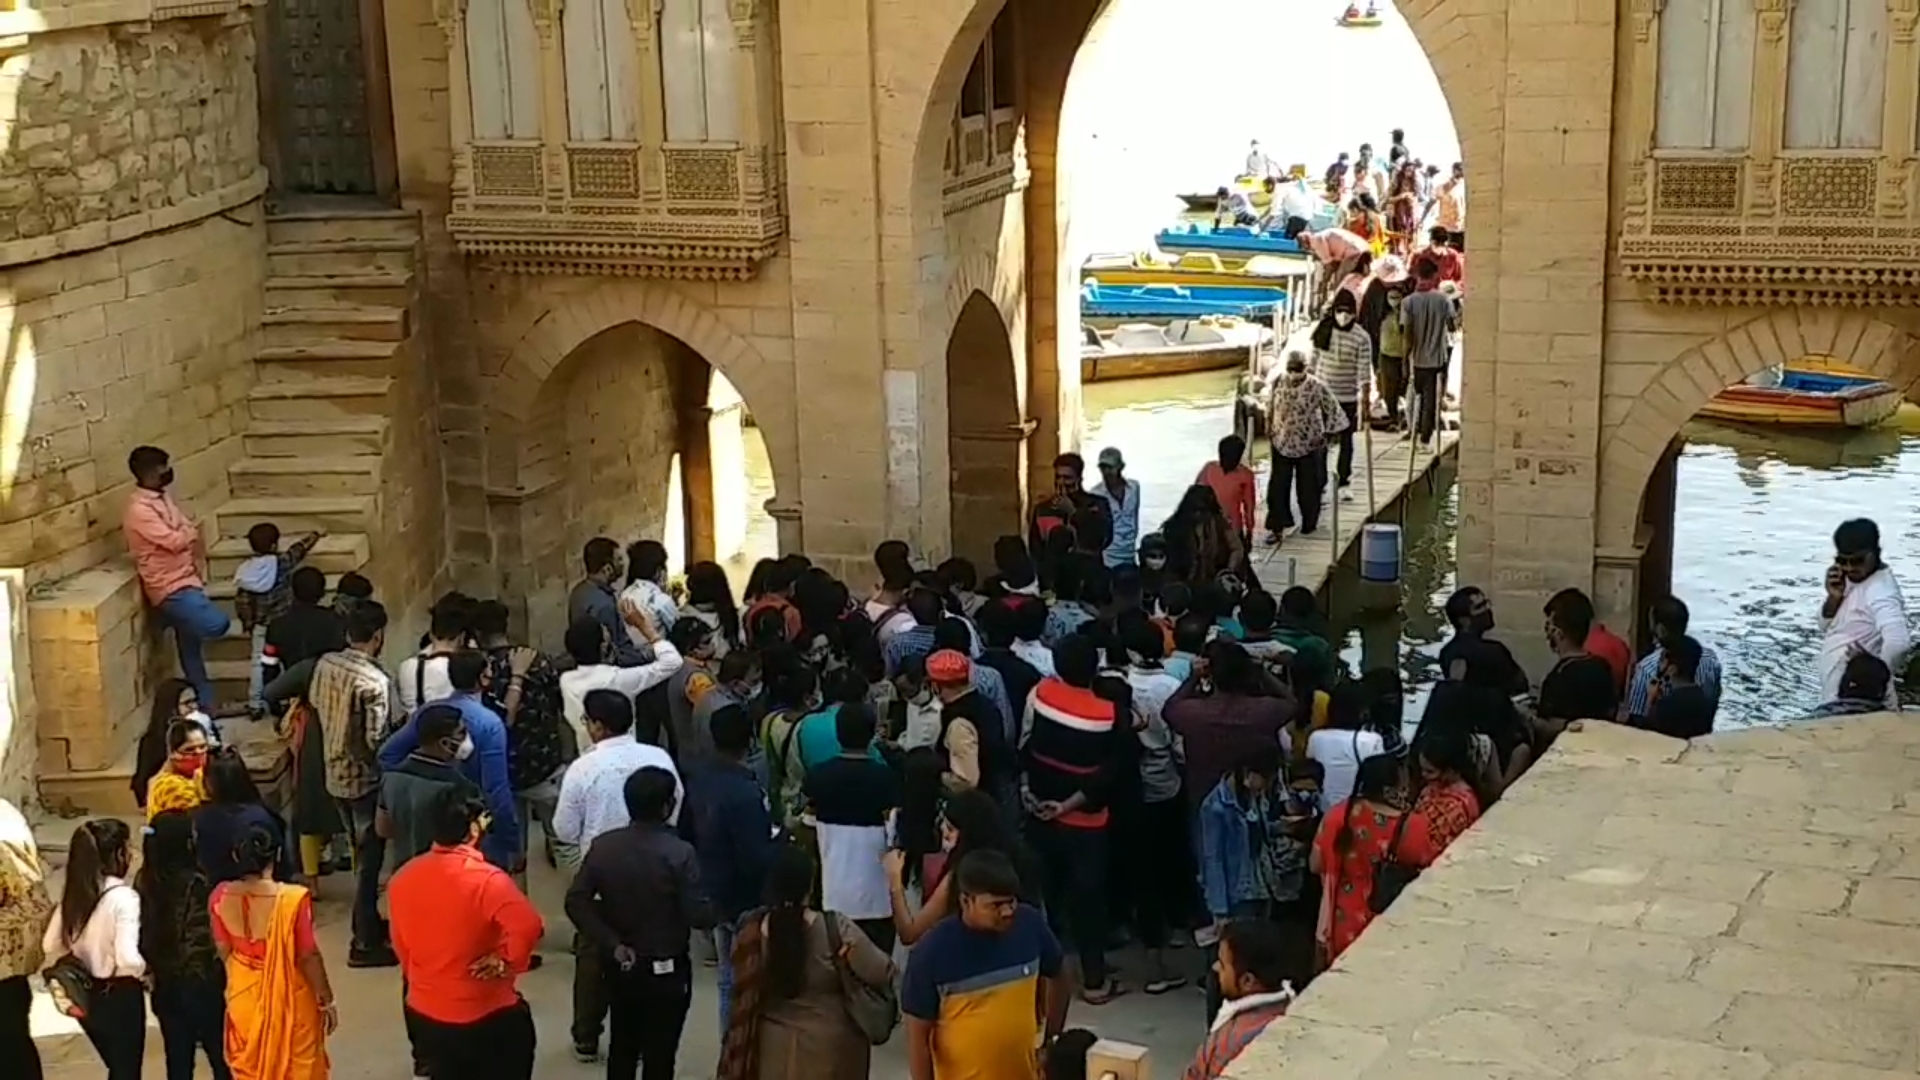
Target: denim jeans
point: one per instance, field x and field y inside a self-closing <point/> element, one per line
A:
<point x="194" y="620"/>
<point x="369" y="855"/>
<point x="723" y="938"/>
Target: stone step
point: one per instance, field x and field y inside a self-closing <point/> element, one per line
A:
<point x="359" y="322"/>
<point x="222" y="593"/>
<point x="236" y="644"/>
<point x="319" y="399"/>
<point x="301" y="477"/>
<point x="320" y="226"/>
<point x="322" y="438"/>
<point x="341" y="290"/>
<point x="294" y="515"/>
<point x="352" y="258"/>
<point x="324" y="358"/>
<point x="104" y="792"/>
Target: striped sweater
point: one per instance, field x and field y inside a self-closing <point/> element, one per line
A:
<point x="1240" y="1022"/>
<point x="1346" y="364"/>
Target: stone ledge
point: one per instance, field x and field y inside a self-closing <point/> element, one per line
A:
<point x="22" y="24"/>
<point x="99" y="234"/>
<point x="88" y="635"/>
<point x="1637" y="907"/>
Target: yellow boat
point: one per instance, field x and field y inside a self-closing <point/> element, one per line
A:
<point x="1192" y="268"/>
<point x="1813" y="392"/>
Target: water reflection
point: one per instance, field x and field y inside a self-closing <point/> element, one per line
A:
<point x="1167" y="429"/>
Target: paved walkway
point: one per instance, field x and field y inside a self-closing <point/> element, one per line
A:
<point x="1743" y="908"/>
<point x="371" y="1045"/>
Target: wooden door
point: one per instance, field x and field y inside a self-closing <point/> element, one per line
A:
<point x="325" y="99"/>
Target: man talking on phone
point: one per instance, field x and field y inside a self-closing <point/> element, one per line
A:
<point x="1863" y="611"/>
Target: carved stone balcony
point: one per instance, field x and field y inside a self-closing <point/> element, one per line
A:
<point x="700" y="211"/>
<point x="986" y="159"/>
<point x="1734" y="229"/>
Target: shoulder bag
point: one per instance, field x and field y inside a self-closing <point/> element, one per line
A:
<point x="69" y="981"/>
<point x="875" y="1010"/>
<point x="1391" y="876"/>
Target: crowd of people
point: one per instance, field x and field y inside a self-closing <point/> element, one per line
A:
<point x="942" y="796"/>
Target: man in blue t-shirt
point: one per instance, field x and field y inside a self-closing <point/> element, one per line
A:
<point x="970" y="987"/>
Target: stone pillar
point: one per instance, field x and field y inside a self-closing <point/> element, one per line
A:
<point x="452" y="17"/>
<point x="1897" y="148"/>
<point x="1769" y="102"/>
<point x="644" y="15"/>
<point x="857" y="415"/>
<point x="19" y="730"/>
<point x="553" y="97"/>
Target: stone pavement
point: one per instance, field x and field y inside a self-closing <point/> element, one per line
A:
<point x="1746" y="907"/>
<point x="371" y="1044"/>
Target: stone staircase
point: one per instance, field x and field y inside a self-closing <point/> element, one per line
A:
<point x="339" y="296"/>
<point x="337" y="318"/>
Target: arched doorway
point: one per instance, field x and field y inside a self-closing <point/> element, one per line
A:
<point x="986" y="438"/>
<point x="626" y="409"/>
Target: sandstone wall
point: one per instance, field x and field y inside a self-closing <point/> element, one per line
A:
<point x="132" y="251"/>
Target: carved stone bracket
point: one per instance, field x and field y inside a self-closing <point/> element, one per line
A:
<point x="1773" y="19"/>
<point x="1902" y="17"/>
<point x="1643" y="13"/>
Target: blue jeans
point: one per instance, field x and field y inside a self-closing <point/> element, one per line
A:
<point x="723" y="936"/>
<point x="194" y="619"/>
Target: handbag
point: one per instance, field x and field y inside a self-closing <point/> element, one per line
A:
<point x="71" y="985"/>
<point x="1391" y="876"/>
<point x="875" y="1010"/>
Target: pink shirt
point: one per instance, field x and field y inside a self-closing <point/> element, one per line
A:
<point x="1333" y="245"/>
<point x="1234" y="490"/>
<point x="161" y="539"/>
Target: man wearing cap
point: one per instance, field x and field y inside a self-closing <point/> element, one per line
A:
<point x="972" y="745"/>
<point x="1122" y="497"/>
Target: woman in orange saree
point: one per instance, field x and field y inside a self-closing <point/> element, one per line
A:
<point x="280" y="1007"/>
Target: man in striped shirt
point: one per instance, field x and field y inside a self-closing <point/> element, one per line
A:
<point x="1343" y="358"/>
<point x="1073" y="753"/>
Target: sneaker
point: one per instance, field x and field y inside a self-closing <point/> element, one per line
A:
<point x="586" y="1053"/>
<point x="372" y="956"/>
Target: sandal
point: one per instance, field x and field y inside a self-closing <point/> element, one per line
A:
<point x="1104" y="994"/>
<point x="1164" y="986"/>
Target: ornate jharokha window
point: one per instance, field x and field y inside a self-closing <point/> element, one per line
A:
<point x="615" y="136"/>
<point x="986" y="146"/>
<point x="1773" y="146"/>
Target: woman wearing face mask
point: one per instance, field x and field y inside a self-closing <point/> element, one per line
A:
<point x="174" y="701"/>
<point x="178" y="785"/>
<point x="969" y="821"/>
<point x="1390" y="368"/>
<point x="1343" y="359"/>
<point x="1302" y="416"/>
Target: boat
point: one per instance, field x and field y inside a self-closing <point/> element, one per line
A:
<point x="1806" y="395"/>
<point x="1112" y="303"/>
<point x="1356" y="19"/>
<point x="1232" y="240"/>
<point x="1142" y="350"/>
<point x="1193" y="268"/>
<point x="1207" y="202"/>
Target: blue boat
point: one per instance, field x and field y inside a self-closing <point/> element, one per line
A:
<point x="1177" y="302"/>
<point x="1232" y="240"/>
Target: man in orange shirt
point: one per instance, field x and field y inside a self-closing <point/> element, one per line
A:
<point x="464" y="934"/>
<point x="170" y="559"/>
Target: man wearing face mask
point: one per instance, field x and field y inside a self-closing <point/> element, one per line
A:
<point x="1471" y="614"/>
<point x="596" y="597"/>
<point x="409" y="791"/>
<point x="171" y="558"/>
<point x="1302" y="416"/>
<point x="485" y="763"/>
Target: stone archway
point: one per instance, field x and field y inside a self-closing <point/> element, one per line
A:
<point x="986" y="432"/>
<point x="547" y="328"/>
<point x="1855" y="337"/>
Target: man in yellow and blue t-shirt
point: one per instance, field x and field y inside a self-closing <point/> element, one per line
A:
<point x="972" y="983"/>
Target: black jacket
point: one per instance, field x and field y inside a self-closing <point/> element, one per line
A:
<point x="640" y="886"/>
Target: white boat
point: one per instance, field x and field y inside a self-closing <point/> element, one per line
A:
<point x="1144" y="350"/>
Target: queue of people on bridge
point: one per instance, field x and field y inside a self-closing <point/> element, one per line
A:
<point x="938" y="795"/>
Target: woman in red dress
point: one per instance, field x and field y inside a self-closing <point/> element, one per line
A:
<point x="1448" y="801"/>
<point x="1354" y="840"/>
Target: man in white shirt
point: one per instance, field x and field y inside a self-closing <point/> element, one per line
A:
<point x="1368" y="176"/>
<point x="1864" y="611"/>
<point x="646" y="588"/>
<point x="593" y="802"/>
<point x="423" y="677"/>
<point x="592" y="649"/>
